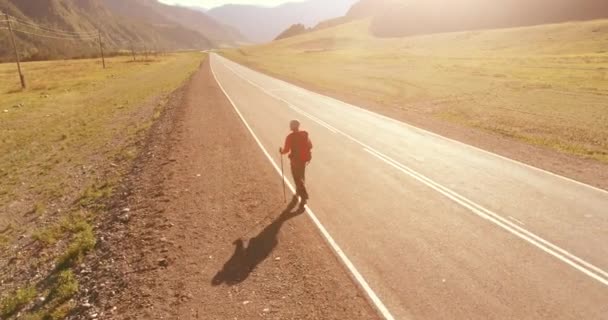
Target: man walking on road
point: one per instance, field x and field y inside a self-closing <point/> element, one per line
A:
<point x="298" y="146"/>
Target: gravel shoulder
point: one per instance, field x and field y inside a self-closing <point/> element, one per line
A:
<point x="201" y="230"/>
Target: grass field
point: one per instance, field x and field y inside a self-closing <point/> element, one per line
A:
<point x="73" y="116"/>
<point x="64" y="143"/>
<point x="545" y="85"/>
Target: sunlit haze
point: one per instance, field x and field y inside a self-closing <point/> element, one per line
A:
<point x="216" y="3"/>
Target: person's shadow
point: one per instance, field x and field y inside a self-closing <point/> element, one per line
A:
<point x="245" y="260"/>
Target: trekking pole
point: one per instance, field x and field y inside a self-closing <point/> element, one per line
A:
<point x="283" y="179"/>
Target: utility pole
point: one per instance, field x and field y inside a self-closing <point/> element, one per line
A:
<point x="133" y="52"/>
<point x="103" y="59"/>
<point x="10" y="29"/>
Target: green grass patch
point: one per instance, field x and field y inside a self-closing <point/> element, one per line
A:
<point x="16" y="300"/>
<point x="71" y="224"/>
<point x="57" y="305"/>
<point x="66" y="286"/>
<point x="4" y="241"/>
<point x="48" y="235"/>
<point x="93" y="194"/>
<point x="39" y="208"/>
<point x="82" y="242"/>
<point x="58" y="313"/>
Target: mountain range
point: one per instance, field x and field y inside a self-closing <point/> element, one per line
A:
<point x="263" y="24"/>
<point x="122" y="24"/>
<point x="399" y="18"/>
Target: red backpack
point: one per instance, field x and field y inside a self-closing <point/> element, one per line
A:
<point x="301" y="146"/>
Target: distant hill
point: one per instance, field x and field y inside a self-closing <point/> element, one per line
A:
<point x="201" y="9"/>
<point x="359" y="10"/>
<point x="398" y="18"/>
<point x="262" y="24"/>
<point x="295" y="30"/>
<point x="403" y="18"/>
<point x="138" y="23"/>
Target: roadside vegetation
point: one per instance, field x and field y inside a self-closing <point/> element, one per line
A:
<point x="65" y="143"/>
<point x="544" y="85"/>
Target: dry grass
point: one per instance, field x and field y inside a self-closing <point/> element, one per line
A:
<point x="73" y="117"/>
<point x="545" y="85"/>
<point x="65" y="142"/>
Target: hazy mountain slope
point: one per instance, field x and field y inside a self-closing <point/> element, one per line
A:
<point x="402" y="18"/>
<point x="123" y="24"/>
<point x="359" y="10"/>
<point x="201" y="9"/>
<point x="397" y="18"/>
<point x="295" y="30"/>
<point x="153" y="12"/>
<point x="261" y="24"/>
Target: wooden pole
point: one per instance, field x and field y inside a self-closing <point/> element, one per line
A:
<point x="103" y="58"/>
<point x="133" y="52"/>
<point x="10" y="29"/>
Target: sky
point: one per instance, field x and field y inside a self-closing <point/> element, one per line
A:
<point x="216" y="3"/>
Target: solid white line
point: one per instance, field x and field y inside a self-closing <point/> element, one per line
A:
<point x="424" y="130"/>
<point x="546" y="246"/>
<point x="531" y="238"/>
<point x="516" y="220"/>
<point x="333" y="244"/>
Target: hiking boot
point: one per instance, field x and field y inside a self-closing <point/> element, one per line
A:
<point x="295" y="200"/>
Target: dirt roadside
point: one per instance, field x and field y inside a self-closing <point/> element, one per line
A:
<point x="589" y="171"/>
<point x="201" y="231"/>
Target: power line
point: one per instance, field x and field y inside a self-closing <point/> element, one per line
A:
<point x="59" y="33"/>
<point x="55" y="34"/>
<point x="75" y="38"/>
<point x="19" y="20"/>
<point x="51" y="30"/>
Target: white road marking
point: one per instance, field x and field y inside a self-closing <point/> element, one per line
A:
<point x="516" y="220"/>
<point x="559" y="253"/>
<point x="315" y="119"/>
<point x="577" y="263"/>
<point x="330" y="240"/>
<point x="285" y="83"/>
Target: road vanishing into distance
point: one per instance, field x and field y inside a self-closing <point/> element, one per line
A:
<point x="431" y="228"/>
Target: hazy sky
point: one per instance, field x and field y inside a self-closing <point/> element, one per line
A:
<point x="215" y="3"/>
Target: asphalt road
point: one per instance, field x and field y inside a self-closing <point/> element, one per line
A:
<point x="433" y="228"/>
